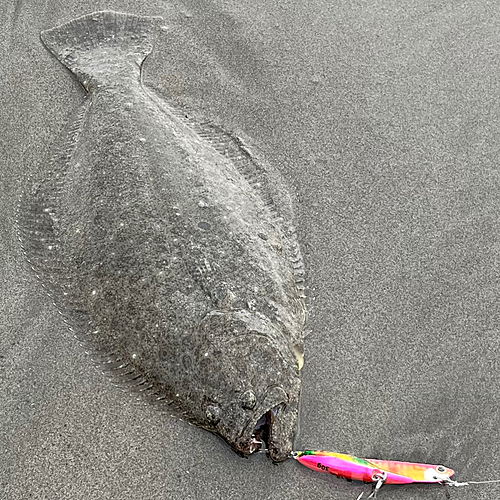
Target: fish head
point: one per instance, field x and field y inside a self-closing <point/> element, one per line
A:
<point x="438" y="473"/>
<point x="251" y="384"/>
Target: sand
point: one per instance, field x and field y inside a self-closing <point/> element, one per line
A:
<point x="382" y="117"/>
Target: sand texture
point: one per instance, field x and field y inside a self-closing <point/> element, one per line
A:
<point x="382" y="117"/>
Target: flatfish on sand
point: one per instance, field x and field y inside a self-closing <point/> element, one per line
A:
<point x="168" y="247"/>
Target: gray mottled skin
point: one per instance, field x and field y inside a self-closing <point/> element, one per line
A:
<point x="163" y="246"/>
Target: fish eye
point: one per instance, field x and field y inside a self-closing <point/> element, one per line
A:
<point x="441" y="469"/>
<point x="248" y="400"/>
<point x="213" y="414"/>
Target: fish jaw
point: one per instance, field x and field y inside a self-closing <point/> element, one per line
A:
<point x="248" y="370"/>
<point x="247" y="431"/>
<point x="278" y="414"/>
<point x="282" y="433"/>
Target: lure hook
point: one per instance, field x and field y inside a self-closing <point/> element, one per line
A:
<point x="380" y="478"/>
<point x="378" y="481"/>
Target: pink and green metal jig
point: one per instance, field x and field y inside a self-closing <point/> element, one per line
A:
<point x="378" y="472"/>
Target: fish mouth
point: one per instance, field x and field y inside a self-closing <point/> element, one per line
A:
<point x="262" y="431"/>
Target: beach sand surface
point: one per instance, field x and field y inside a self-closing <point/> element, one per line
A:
<point x="383" y="118"/>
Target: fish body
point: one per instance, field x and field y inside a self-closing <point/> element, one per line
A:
<point x="360" y="469"/>
<point x="162" y="248"/>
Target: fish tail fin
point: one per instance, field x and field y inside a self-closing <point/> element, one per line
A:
<point x="103" y="43"/>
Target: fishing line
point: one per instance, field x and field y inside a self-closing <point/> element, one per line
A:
<point x="467" y="483"/>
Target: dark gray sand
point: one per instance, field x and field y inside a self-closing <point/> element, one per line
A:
<point x="383" y="117"/>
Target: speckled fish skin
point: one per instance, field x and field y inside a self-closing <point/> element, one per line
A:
<point x="173" y="257"/>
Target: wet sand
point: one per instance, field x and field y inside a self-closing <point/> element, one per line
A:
<point x="383" y="118"/>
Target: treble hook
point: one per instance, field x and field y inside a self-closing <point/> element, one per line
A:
<point x="378" y="480"/>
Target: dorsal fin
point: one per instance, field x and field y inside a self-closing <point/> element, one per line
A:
<point x="37" y="226"/>
<point x="266" y="180"/>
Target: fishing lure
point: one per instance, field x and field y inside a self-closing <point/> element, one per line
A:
<point x="378" y="472"/>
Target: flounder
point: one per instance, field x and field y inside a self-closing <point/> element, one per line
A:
<point x="168" y="247"/>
